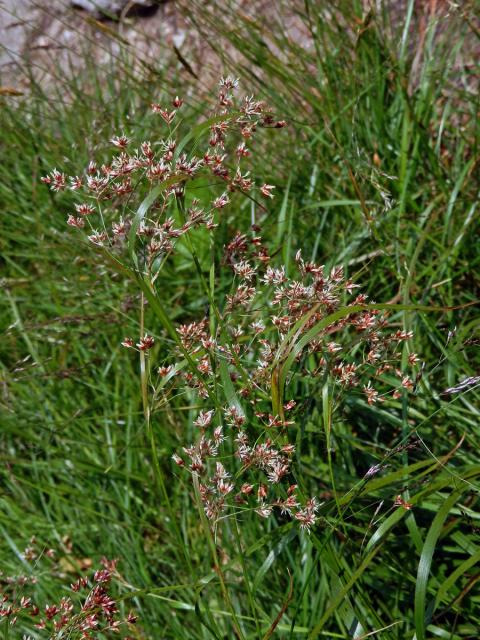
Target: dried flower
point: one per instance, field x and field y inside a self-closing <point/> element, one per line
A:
<point x="400" y="502"/>
<point x="121" y="142"/>
<point x="204" y="419"/>
<point x="266" y="190"/>
<point x="145" y="343"/>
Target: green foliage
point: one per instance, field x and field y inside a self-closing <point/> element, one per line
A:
<point x="378" y="172"/>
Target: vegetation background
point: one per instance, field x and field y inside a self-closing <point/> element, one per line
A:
<point x="378" y="172"/>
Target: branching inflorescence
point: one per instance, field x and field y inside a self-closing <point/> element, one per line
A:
<point x="272" y="326"/>
<point x="89" y="610"/>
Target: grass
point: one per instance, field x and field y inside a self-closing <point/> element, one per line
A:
<point x="377" y="171"/>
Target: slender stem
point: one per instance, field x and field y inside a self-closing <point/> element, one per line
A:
<point x="151" y="436"/>
<point x="217" y="567"/>
<point x="143" y="364"/>
<point x="250" y="595"/>
<point x="327" y="418"/>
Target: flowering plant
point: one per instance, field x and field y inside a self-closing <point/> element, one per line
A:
<point x="271" y="328"/>
<point x="90" y="608"/>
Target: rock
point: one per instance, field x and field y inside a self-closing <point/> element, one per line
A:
<point x="105" y="8"/>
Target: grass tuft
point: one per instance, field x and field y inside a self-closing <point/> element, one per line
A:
<point x="377" y="171"/>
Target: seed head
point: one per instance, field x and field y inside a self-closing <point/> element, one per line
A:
<point x="204" y="419"/>
<point x="121" y="142"/>
<point x="145" y="343"/>
<point x="266" y="190"/>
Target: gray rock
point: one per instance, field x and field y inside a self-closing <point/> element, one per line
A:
<point x="112" y="7"/>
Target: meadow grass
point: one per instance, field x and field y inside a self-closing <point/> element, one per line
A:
<point x="378" y="172"/>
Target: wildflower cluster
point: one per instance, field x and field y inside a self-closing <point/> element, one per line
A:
<point x="264" y="311"/>
<point x="112" y="191"/>
<point x="241" y="459"/>
<point x="91" y="611"/>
